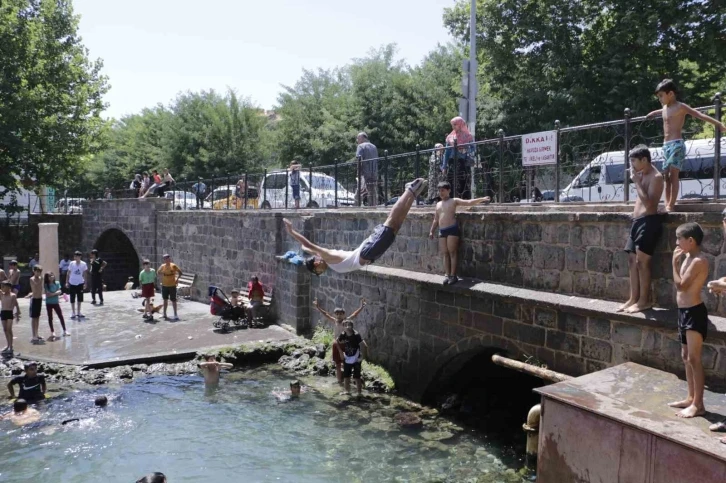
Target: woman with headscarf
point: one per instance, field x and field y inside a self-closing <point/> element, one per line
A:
<point x="135" y="186"/>
<point x="461" y="136"/>
<point x="435" y="171"/>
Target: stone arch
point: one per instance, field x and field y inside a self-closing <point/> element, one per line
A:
<point x="115" y="247"/>
<point x="453" y="359"/>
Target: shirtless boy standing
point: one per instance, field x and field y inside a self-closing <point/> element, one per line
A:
<point x="210" y="370"/>
<point x="8" y="302"/>
<point x="372" y="248"/>
<point x="36" y="302"/>
<point x="338" y="319"/>
<point x="449" y="233"/>
<point x="646" y="228"/>
<point x="690" y="270"/>
<point x="674" y="149"/>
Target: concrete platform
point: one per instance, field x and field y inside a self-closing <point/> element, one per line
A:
<point x="615" y="425"/>
<point x="108" y="336"/>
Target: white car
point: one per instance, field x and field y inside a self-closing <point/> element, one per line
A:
<point x="69" y="205"/>
<point x="274" y="187"/>
<point x="182" y="200"/>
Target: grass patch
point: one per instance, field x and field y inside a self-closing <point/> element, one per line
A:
<point x="380" y="373"/>
<point x="323" y="335"/>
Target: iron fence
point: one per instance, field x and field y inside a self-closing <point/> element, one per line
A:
<point x="591" y="165"/>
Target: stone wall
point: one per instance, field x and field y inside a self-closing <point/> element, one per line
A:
<point x="70" y="230"/>
<point x="421" y="331"/>
<point x="573" y="253"/>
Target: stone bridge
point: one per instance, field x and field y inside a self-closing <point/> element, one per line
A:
<point x="544" y="283"/>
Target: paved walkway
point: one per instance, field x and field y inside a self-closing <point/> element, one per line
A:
<point x="116" y="334"/>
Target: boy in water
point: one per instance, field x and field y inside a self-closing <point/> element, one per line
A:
<point x="8" y="302"/>
<point x="690" y="270"/>
<point x="14" y="276"/>
<point x="674" y="149"/>
<point x="293" y="393"/>
<point x="210" y="370"/>
<point x="338" y="319"/>
<point x="21" y="413"/>
<point x="36" y="302"/>
<point x="351" y="343"/>
<point x="646" y="228"/>
<point x="372" y="248"/>
<point x="32" y="384"/>
<point x="449" y="233"/>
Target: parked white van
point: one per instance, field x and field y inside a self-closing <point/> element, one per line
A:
<point x="602" y="178"/>
<point x="274" y="185"/>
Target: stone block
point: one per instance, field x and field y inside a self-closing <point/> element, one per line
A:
<point x="486" y="323"/>
<point x="506" y="310"/>
<point x="615" y="235"/>
<point x="712" y="240"/>
<point x="597" y="349"/>
<point x="482" y="304"/>
<point x="529" y="334"/>
<point x="599" y="260"/>
<point x="430" y="309"/>
<point x="651" y="341"/>
<point x="433" y="327"/>
<point x="709" y="355"/>
<point x="545" y="318"/>
<point x="513" y="276"/>
<point x="598" y="282"/>
<point x="721" y="361"/>
<point x="512" y="232"/>
<point x="594" y="366"/>
<point x="566" y="281"/>
<point x="493" y="231"/>
<point x="569" y="364"/>
<point x="671" y="349"/>
<point x="598" y="328"/>
<point x="581" y="283"/>
<point x="572" y="323"/>
<point x="620" y="263"/>
<point x="549" y="257"/>
<point x="521" y="255"/>
<point x="561" y="341"/>
<point x="532" y="232"/>
<point x="575" y="259"/>
<point x="446" y="298"/>
<point x="526" y="314"/>
<point x="545" y="356"/>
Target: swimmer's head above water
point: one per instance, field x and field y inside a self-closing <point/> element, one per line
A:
<point x="20" y="406"/>
<point x="101" y="401"/>
<point x="295" y="388"/>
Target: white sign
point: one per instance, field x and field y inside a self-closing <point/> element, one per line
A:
<point x="539" y="148"/>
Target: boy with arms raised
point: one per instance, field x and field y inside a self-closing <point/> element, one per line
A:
<point x="690" y="270"/>
<point x="449" y="233"/>
<point x="646" y="228"/>
<point x="338" y="319"/>
<point x="674" y="149"/>
<point x="211" y="369"/>
<point x="372" y="248"/>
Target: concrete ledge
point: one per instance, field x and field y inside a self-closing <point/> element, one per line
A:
<point x="657" y="318"/>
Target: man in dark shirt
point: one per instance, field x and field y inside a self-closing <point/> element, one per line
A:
<point x="32" y="384"/>
<point x="369" y="166"/>
<point x="97" y="266"/>
<point x="350" y="343"/>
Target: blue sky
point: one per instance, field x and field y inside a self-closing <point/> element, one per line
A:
<point x="154" y="49"/>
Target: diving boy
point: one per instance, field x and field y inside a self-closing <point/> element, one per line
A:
<point x="449" y="233"/>
<point x="338" y="318"/>
<point x="645" y="230"/>
<point x="690" y="270"/>
<point x="372" y="248"/>
<point x="674" y="149"/>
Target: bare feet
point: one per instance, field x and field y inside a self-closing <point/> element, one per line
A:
<point x="669" y="208"/>
<point x="639" y="307"/>
<point x="681" y="404"/>
<point x="691" y="412"/>
<point x="625" y="305"/>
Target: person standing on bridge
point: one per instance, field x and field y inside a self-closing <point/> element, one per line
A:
<point x="199" y="189"/>
<point x="368" y="154"/>
<point x="170" y="274"/>
<point x="372" y="248"/>
<point x="97" y="266"/>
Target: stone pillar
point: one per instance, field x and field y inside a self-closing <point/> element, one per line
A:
<point x="48" y="243"/>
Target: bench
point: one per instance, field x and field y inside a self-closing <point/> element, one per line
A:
<point x="184" y="285"/>
<point x="263" y="313"/>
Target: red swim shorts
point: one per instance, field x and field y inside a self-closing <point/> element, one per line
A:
<point x="336" y="353"/>
<point x="147" y="290"/>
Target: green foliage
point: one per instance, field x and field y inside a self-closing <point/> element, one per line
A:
<point x="381" y="374"/>
<point x="199" y="134"/>
<point x="323" y="335"/>
<point x="398" y="106"/>
<point x="585" y="61"/>
<point x="50" y="94"/>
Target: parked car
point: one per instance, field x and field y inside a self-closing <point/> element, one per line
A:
<point x="276" y="186"/>
<point x="69" y="205"/>
<point x="602" y="178"/>
<point x="182" y="200"/>
<point x="224" y="198"/>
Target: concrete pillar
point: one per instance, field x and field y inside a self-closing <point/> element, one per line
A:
<point x="48" y="243"/>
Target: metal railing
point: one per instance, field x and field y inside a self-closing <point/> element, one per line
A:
<point x="591" y="165"/>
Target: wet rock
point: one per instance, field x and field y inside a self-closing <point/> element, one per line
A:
<point x="436" y="435"/>
<point x="296" y="354"/>
<point x="312" y="351"/>
<point x="139" y="367"/>
<point x="408" y="420"/>
<point x="123" y="372"/>
<point x="429" y="413"/>
<point x="94" y="377"/>
<point x="321" y="368"/>
<point x="320" y="351"/>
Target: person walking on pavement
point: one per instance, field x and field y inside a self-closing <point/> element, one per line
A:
<point x="97" y="266"/>
<point x="170" y="274"/>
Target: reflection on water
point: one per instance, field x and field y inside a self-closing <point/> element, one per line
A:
<point x="237" y="432"/>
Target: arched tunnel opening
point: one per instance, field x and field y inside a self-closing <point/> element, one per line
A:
<point x="123" y="262"/>
<point x="484" y="396"/>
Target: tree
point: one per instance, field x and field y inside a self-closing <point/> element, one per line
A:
<point x="50" y="95"/>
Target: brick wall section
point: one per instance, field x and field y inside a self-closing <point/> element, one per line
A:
<point x="416" y="329"/>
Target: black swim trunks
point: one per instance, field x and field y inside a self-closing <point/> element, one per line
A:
<point x="644" y="234"/>
<point x="6" y="315"/>
<point x="352" y="370"/>
<point x="692" y="318"/>
<point x="452" y="230"/>
<point x="36" y="306"/>
<point x="376" y="245"/>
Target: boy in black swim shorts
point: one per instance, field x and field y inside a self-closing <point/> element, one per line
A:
<point x="646" y="228"/>
<point x="690" y="270"/>
<point x="372" y="248"/>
